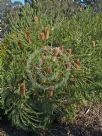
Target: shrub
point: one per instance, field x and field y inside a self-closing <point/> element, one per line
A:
<point x="56" y="9"/>
<point x="50" y="70"/>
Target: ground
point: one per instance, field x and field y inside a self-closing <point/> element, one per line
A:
<point x="87" y="123"/>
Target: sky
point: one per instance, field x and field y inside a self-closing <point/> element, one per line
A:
<point x="21" y="1"/>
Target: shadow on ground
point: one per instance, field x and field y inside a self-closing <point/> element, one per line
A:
<point x="59" y="130"/>
<point x="74" y="130"/>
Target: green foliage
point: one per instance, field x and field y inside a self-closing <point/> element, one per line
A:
<point x="50" y="69"/>
<point x="56" y="8"/>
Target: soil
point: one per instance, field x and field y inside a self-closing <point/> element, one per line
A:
<point x="87" y="123"/>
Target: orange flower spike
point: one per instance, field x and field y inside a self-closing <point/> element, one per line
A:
<point x="61" y="50"/>
<point x="93" y="44"/>
<point x="49" y="70"/>
<point x="22" y="89"/>
<point x="27" y="34"/>
<point x="51" y="91"/>
<point x="68" y="65"/>
<point x="42" y="61"/>
<point x="28" y="37"/>
<point x="42" y="36"/>
<point x="54" y="58"/>
<point x="56" y="51"/>
<point x="29" y="40"/>
<point x="69" y="51"/>
<point x="46" y="48"/>
<point x="36" y="19"/>
<point x="47" y="32"/>
<point x="20" y="44"/>
<point x="78" y="63"/>
<point x="81" y="8"/>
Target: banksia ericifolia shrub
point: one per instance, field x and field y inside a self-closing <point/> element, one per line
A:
<point x="49" y="70"/>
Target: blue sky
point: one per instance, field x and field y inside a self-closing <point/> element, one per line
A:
<point x="21" y="1"/>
